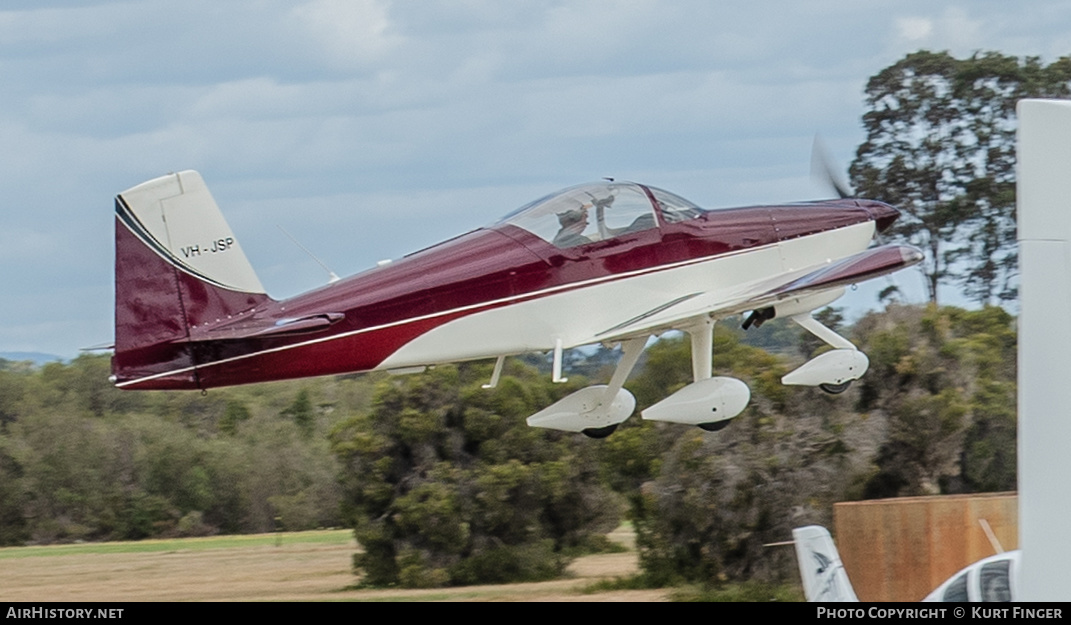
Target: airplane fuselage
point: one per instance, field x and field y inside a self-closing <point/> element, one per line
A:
<point x="493" y="291"/>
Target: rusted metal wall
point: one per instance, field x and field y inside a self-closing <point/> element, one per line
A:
<point x="901" y="549"/>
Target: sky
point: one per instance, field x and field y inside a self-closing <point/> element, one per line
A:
<point x="368" y="129"/>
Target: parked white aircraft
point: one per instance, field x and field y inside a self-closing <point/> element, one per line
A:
<point x="824" y="578"/>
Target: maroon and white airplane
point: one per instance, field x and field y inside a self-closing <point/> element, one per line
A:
<point x="607" y="262"/>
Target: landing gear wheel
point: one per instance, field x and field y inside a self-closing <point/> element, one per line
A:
<point x="602" y="432"/>
<point x="835" y="389"/>
<point x="715" y="426"/>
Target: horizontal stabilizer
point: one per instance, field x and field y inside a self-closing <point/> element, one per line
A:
<point x="259" y="328"/>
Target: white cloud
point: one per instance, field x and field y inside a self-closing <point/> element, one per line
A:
<point x="955" y="29"/>
<point x="914" y="29"/>
<point x="352" y="33"/>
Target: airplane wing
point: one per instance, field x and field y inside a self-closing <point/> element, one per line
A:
<point x="865" y="265"/>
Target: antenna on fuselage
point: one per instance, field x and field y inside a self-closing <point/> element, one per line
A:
<point x="332" y="276"/>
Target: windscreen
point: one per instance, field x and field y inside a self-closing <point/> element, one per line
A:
<point x="586" y="214"/>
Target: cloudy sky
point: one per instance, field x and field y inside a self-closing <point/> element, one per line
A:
<point x="371" y="128"/>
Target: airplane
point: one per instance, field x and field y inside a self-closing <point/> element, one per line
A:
<point x="605" y="262"/>
<point x="991" y="579"/>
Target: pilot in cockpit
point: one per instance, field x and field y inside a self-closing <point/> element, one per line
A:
<point x="573" y="223"/>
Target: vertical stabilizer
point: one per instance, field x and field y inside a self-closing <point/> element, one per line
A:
<point x="176" y="215"/>
<point x="178" y="265"/>
<point x="823" y="575"/>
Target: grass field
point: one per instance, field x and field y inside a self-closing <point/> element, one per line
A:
<point x="304" y="566"/>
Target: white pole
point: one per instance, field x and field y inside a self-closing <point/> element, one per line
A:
<point x="1044" y="441"/>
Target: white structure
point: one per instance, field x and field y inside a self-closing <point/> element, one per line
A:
<point x="1044" y="206"/>
<point x="992" y="579"/>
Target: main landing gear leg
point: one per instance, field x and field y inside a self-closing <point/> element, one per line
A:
<point x="630" y="355"/>
<point x="702" y="335"/>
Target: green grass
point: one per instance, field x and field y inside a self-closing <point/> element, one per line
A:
<point x="729" y="593"/>
<point x="329" y="537"/>
<point x="632" y="582"/>
<point x="434" y="596"/>
<point x="751" y="592"/>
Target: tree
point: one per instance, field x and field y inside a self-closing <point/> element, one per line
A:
<point x="302" y="413"/>
<point x="445" y="483"/>
<point x="13" y="496"/>
<point x="941" y="146"/>
<point x="712" y="500"/>
<point x="909" y="156"/>
<point x="235" y="413"/>
<point x="12" y="386"/>
<point x="944" y="380"/>
<point x="81" y="460"/>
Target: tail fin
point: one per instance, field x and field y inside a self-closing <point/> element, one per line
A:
<point x="177" y="265"/>
<point x="824" y="578"/>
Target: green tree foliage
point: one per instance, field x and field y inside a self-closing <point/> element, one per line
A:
<point x="945" y="381"/>
<point x="235" y="413"/>
<point x="13" y="523"/>
<point x="714" y="499"/>
<point x="445" y="484"/>
<point x="941" y="146"/>
<point x="935" y="414"/>
<point x="82" y="460"/>
<point x="301" y="412"/>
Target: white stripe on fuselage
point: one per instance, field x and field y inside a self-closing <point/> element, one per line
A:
<point x="582" y="316"/>
<point x="532" y="321"/>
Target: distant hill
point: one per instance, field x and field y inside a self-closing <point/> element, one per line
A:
<point x="37" y="358"/>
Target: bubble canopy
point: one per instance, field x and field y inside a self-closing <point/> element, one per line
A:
<point x="598" y="211"/>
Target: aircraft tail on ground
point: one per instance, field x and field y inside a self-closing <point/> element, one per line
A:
<point x="823" y="575"/>
<point x="178" y="265"/>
